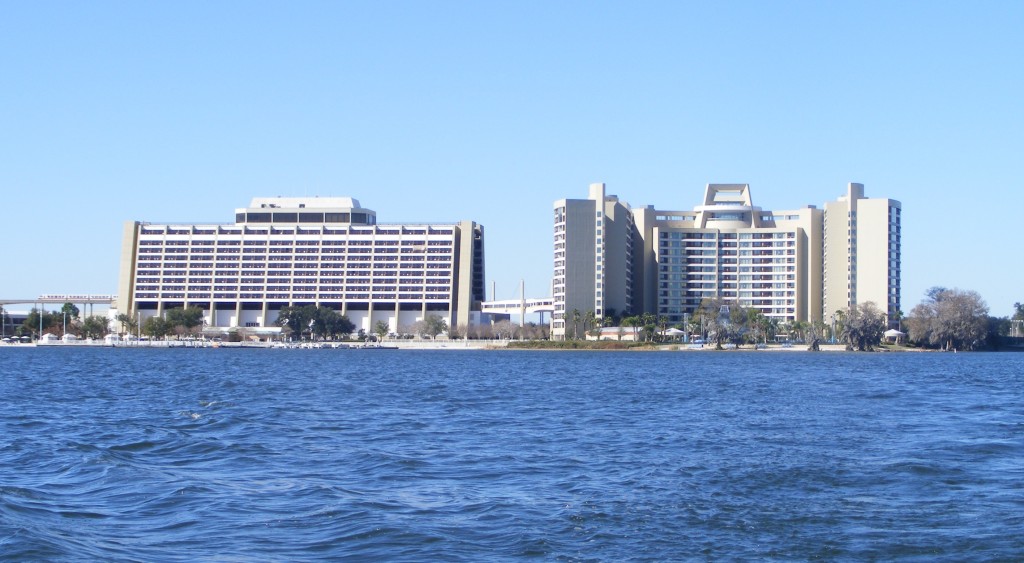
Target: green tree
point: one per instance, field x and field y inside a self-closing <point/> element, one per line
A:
<point x="693" y="327"/>
<point x="290" y="320"/>
<point x="576" y="316"/>
<point x="433" y="325"/>
<point x="631" y="322"/>
<point x="343" y="327"/>
<point x="662" y="326"/>
<point x="609" y="318"/>
<point x="185" y="320"/>
<point x="648" y="325"/>
<point x="799" y="329"/>
<point x="324" y="322"/>
<point x="95" y="326"/>
<point x="70" y="310"/>
<point x="128" y="323"/>
<point x="759" y="327"/>
<point x="591" y="321"/>
<point x="838" y="322"/>
<point x="51" y="322"/>
<point x="898" y="316"/>
<point x="156" y="327"/>
<point x="296" y="320"/>
<point x="864" y="326"/>
<point x="381" y="329"/>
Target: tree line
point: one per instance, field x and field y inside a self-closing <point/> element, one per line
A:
<point x="956" y="319"/>
<point x="66" y="320"/>
<point x="948" y="319"/>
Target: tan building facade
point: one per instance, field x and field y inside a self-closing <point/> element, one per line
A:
<point x="862" y="252"/>
<point x="304" y="251"/>
<point x="593" y="258"/>
<point x="725" y="248"/>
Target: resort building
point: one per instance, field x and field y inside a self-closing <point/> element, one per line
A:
<point x="304" y="251"/>
<point x="791" y="265"/>
<point x="862" y="252"/>
<point x="593" y="256"/>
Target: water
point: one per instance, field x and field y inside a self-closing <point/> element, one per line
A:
<point x="129" y="454"/>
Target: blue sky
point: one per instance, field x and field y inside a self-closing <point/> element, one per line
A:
<point x="490" y="111"/>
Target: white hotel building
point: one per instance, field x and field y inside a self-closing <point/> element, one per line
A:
<point x="794" y="265"/>
<point x="304" y="251"/>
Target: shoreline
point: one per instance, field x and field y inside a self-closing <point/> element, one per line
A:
<point x="456" y="345"/>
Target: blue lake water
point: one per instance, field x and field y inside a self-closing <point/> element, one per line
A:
<point x="187" y="454"/>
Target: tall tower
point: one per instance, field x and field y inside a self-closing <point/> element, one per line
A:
<point x="727" y="248"/>
<point x="862" y="252"/>
<point x="593" y="245"/>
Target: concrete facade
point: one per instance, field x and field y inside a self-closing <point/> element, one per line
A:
<point x="782" y="263"/>
<point x="593" y="257"/>
<point x="304" y="251"/>
<point x="862" y="252"/>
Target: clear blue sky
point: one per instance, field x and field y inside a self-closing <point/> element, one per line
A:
<point x="490" y="111"/>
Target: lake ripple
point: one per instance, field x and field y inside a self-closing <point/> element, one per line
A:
<point x="180" y="454"/>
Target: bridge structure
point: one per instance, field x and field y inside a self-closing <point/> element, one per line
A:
<point x="521" y="307"/>
<point x="86" y="301"/>
<point x="62" y="298"/>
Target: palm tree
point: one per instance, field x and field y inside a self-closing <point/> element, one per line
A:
<point x="800" y="328"/>
<point x="575" y="324"/>
<point x="590" y="319"/>
<point x="769" y="326"/>
<point x="648" y="320"/>
<point x="128" y="322"/>
<point x="838" y="322"/>
<point x="631" y="322"/>
<point x="663" y="325"/>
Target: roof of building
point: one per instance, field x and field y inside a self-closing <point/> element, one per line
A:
<point x="312" y="202"/>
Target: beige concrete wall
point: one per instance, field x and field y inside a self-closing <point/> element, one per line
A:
<point x="873" y="252"/>
<point x="837" y="284"/>
<point x="126" y="276"/>
<point x="864" y="244"/>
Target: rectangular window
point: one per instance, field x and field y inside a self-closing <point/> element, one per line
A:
<point x="311" y="217"/>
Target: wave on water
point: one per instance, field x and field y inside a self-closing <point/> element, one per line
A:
<point x="497" y="455"/>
